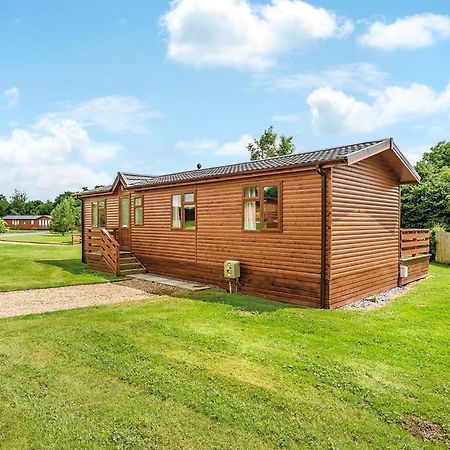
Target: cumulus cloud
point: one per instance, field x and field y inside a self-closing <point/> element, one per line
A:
<point x="240" y="34"/>
<point x="356" y="76"/>
<point x="12" y="96"/>
<point x="334" y="111"/>
<point x="51" y="156"/>
<point x="112" y="113"/>
<point x="418" y="31"/>
<point x="233" y="148"/>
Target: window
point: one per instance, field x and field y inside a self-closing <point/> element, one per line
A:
<point x="183" y="211"/>
<point x="98" y="214"/>
<point x="261" y="208"/>
<point x="138" y="211"/>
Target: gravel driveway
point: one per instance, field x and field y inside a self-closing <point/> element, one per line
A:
<point x="34" y="301"/>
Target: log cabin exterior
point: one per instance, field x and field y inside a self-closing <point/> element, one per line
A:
<point x="319" y="229"/>
<point x="37" y="222"/>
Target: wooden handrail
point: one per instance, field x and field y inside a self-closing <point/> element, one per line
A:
<point x="110" y="251"/>
<point x="414" y="242"/>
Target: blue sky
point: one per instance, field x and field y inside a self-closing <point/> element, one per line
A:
<point x="90" y="88"/>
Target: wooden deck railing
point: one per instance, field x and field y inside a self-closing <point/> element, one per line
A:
<point x="109" y="249"/>
<point x="414" y="242"/>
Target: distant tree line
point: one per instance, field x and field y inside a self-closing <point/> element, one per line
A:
<point x="65" y="209"/>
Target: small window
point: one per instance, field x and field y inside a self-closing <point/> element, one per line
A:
<point x="138" y="211"/>
<point x="183" y="211"/>
<point x="176" y="211"/>
<point x="261" y="208"/>
<point x="98" y="211"/>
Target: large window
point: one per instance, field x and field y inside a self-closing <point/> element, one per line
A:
<point x="183" y="211"/>
<point x="261" y="207"/>
<point x="138" y="211"/>
<point x="98" y="214"/>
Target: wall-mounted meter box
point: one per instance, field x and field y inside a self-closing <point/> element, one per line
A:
<point x="403" y="271"/>
<point x="231" y="269"/>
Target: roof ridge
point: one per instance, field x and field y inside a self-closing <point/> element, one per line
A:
<point x="273" y="157"/>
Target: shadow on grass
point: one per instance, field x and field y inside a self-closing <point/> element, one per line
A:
<point x="239" y="301"/>
<point x="74" y="266"/>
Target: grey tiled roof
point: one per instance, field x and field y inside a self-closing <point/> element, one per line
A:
<point x="26" y="217"/>
<point x="135" y="178"/>
<point x="327" y="155"/>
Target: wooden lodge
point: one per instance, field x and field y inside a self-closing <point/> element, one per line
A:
<point x="17" y="222"/>
<point x="319" y="229"/>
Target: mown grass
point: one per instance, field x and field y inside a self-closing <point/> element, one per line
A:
<point x="221" y="371"/>
<point x="39" y="266"/>
<point x="48" y="238"/>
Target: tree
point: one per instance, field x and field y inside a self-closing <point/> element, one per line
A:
<point x="3" y="226"/>
<point x="4" y="206"/>
<point x="427" y="204"/>
<point x="267" y="145"/>
<point x="64" y="216"/>
<point x="18" y="202"/>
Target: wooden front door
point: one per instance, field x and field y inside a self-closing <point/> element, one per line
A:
<point x="124" y="223"/>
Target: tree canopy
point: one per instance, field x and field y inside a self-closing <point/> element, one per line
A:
<point x="427" y="204"/>
<point x="268" y="146"/>
<point x="64" y="216"/>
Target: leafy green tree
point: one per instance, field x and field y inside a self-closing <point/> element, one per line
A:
<point x="64" y="216"/>
<point x="33" y="207"/>
<point x="4" y="206"/>
<point x="427" y="204"/>
<point x="268" y="146"/>
<point x="3" y="226"/>
<point x="18" y="202"/>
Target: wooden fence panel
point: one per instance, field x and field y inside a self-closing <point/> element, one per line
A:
<point x="443" y="247"/>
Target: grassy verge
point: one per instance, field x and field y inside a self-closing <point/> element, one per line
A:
<point x="221" y="371"/>
<point x="41" y="266"/>
<point x="50" y="238"/>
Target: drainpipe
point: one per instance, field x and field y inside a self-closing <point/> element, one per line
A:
<point x="83" y="257"/>
<point x="323" y="240"/>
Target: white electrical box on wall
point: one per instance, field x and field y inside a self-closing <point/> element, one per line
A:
<point x="231" y="269"/>
<point x="403" y="271"/>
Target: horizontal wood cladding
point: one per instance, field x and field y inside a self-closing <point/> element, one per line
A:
<point x="417" y="269"/>
<point x="365" y="220"/>
<point x="283" y="265"/>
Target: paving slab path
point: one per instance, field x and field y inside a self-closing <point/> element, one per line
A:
<point x="35" y="301"/>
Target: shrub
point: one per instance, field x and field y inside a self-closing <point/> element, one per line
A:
<point x="3" y="227"/>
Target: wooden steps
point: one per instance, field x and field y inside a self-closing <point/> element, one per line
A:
<point x="129" y="264"/>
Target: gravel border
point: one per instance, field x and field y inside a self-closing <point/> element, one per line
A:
<point x="378" y="300"/>
<point x="36" y="301"/>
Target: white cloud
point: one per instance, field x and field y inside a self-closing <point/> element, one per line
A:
<point x="197" y="147"/>
<point x="235" y="148"/>
<point x="237" y="33"/>
<point x="51" y="156"/>
<point x="200" y="146"/>
<point x="357" y="76"/>
<point x="12" y="96"/>
<point x="113" y="113"/>
<point x="418" y="31"/>
<point x="334" y="111"/>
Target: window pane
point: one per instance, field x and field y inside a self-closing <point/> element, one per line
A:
<point x="101" y="204"/>
<point x="139" y="216"/>
<point x="188" y="198"/>
<point x="271" y="207"/>
<point x="101" y="217"/>
<point x="176" y="211"/>
<point x="251" y="192"/>
<point x="138" y="201"/>
<point x="94" y="215"/>
<point x="189" y="217"/>
<point x="252" y="216"/>
<point x="124" y="212"/>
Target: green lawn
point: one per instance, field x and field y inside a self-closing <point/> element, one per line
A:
<point x="51" y="238"/>
<point x="37" y="266"/>
<point x="221" y="371"/>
